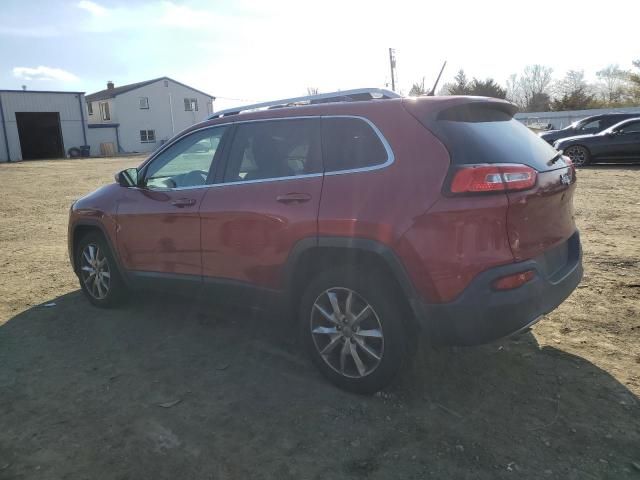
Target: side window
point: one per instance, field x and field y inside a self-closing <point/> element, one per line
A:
<point x="349" y="143"/>
<point x="593" y="125"/>
<point x="274" y="149"/>
<point x="633" y="127"/>
<point x="186" y="163"/>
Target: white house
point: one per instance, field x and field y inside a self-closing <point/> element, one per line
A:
<point x="140" y="116"/>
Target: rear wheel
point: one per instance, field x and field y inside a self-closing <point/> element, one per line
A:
<point x="352" y="326"/>
<point x="98" y="273"/>
<point x="579" y="155"/>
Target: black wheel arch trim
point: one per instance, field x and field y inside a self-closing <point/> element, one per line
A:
<point x="88" y="222"/>
<point x="384" y="252"/>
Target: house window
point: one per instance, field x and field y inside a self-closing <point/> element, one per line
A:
<point x="90" y="108"/>
<point x="190" y="104"/>
<point x="147" y="136"/>
<point x="144" y="103"/>
<point x="166" y="83"/>
<point x="104" y="111"/>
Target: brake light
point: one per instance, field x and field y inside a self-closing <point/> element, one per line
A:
<point x="513" y="281"/>
<point x="499" y="177"/>
<point x="570" y="164"/>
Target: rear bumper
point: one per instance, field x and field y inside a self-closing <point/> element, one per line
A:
<point x="481" y="314"/>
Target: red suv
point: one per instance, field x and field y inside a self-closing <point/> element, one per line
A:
<point x="372" y="220"/>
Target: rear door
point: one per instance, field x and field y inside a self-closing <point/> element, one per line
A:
<point x="265" y="201"/>
<point x="158" y="222"/>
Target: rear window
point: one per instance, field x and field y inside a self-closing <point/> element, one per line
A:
<point x="349" y="143"/>
<point x="482" y="134"/>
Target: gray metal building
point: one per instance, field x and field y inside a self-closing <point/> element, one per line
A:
<point x="563" y="119"/>
<point x="40" y="124"/>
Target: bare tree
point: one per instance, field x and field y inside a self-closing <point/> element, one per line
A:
<point x="312" y="90"/>
<point x="530" y="90"/>
<point x="514" y="91"/>
<point x="614" y="84"/>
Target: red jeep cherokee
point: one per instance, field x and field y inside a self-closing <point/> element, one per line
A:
<point x="372" y="219"/>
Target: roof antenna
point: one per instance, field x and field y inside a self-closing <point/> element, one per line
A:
<point x="435" y="85"/>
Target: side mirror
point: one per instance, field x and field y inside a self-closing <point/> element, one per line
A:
<point x="127" y="177"/>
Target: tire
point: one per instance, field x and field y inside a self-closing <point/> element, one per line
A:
<point x="93" y="253"/>
<point x="74" y="152"/>
<point x="579" y="155"/>
<point x="374" y="309"/>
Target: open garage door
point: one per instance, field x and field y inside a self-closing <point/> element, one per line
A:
<point x="40" y="135"/>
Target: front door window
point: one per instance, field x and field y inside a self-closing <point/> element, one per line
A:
<point x="186" y="163"/>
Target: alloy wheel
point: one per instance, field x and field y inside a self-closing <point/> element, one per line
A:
<point x="578" y="155"/>
<point x="347" y="332"/>
<point x="95" y="271"/>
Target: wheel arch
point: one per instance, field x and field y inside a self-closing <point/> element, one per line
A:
<point x="83" y="228"/>
<point x="311" y="255"/>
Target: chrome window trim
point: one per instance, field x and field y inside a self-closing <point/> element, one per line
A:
<point x="390" y="155"/>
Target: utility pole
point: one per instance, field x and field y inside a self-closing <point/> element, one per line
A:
<point x="392" y="64"/>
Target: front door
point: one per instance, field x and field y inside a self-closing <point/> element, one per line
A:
<point x="158" y="222"/>
<point x="628" y="141"/>
<point x="265" y="202"/>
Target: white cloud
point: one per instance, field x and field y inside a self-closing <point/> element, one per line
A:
<point x="93" y="8"/>
<point x="44" y="73"/>
<point x="182" y="16"/>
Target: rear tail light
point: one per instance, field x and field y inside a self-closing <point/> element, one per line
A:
<point x="513" y="281"/>
<point x="570" y="164"/>
<point x="498" y="177"/>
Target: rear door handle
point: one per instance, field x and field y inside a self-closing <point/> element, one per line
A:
<point x="293" y="198"/>
<point x="183" y="202"/>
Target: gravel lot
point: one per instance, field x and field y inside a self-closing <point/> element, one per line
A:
<point x="186" y="389"/>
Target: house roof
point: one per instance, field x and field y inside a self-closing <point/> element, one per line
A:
<point x="112" y="92"/>
<point x="41" y="91"/>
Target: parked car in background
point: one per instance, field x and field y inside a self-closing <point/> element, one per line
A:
<point x="619" y="143"/>
<point x="369" y="220"/>
<point x="586" y="126"/>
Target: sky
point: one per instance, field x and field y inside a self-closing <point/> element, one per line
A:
<point x="244" y="51"/>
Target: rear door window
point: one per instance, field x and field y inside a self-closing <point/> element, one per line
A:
<point x="274" y="149"/>
<point x="350" y="143"/>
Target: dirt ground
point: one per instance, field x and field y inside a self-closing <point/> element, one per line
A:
<point x="182" y="389"/>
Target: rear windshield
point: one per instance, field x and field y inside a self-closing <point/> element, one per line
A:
<point x="481" y="134"/>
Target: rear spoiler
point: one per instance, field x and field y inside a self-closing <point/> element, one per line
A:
<point x="459" y="109"/>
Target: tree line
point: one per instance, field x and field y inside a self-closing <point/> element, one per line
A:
<point x="534" y="89"/>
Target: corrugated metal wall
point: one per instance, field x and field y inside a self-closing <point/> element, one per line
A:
<point x="70" y="105"/>
<point x="563" y="119"/>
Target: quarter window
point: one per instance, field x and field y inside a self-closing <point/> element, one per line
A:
<point x="187" y="162"/>
<point x="274" y="149"/>
<point x="147" y="136"/>
<point x="349" y="143"/>
<point x="144" y="103"/>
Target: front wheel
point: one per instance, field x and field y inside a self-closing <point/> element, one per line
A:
<point x="579" y="155"/>
<point x="352" y="326"/>
<point x="98" y="273"/>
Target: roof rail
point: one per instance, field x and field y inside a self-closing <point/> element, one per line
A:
<point x="358" y="94"/>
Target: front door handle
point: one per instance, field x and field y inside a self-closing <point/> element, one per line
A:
<point x="293" y="198"/>
<point x="183" y="202"/>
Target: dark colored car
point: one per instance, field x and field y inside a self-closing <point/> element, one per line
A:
<point x="586" y="126"/>
<point x="619" y="143"/>
<point x="370" y="221"/>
